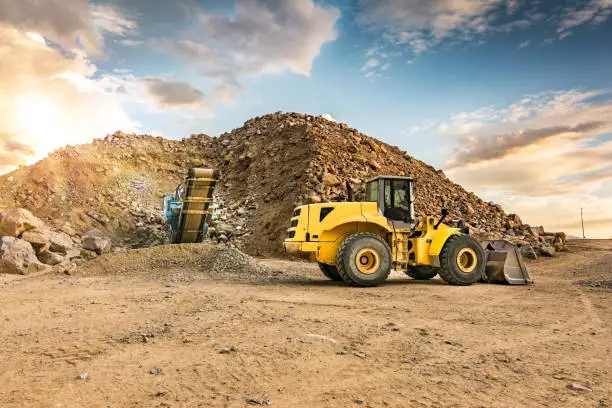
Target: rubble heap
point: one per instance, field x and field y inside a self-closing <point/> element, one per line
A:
<point x="278" y="161"/>
<point x="268" y="166"/>
<point x="115" y="185"/>
<point x="28" y="245"/>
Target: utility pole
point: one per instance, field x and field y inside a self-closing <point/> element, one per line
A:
<point x="582" y="221"/>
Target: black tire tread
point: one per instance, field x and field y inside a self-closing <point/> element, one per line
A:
<point x="422" y="272"/>
<point x="341" y="250"/>
<point x="330" y="272"/>
<point x="445" y="262"/>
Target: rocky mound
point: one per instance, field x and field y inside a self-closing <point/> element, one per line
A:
<point x="115" y="185"/>
<point x="268" y="166"/>
<point x="278" y="161"/>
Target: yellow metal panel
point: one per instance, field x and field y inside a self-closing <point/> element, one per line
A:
<point x="296" y="247"/>
<point x="421" y="251"/>
<point x="302" y="224"/>
<point x="373" y="216"/>
<point x="439" y="239"/>
<point x="327" y="251"/>
<point x="309" y="246"/>
<point x="341" y="214"/>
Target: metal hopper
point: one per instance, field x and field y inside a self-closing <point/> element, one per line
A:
<point x="505" y="263"/>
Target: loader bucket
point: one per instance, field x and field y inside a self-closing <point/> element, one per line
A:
<point x="505" y="263"/>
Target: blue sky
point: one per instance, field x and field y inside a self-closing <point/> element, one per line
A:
<point x="495" y="68"/>
<point x="510" y="97"/>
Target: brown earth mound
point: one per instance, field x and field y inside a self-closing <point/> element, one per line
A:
<point x="268" y="166"/>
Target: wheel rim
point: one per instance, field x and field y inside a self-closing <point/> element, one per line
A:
<point x="367" y="261"/>
<point x="467" y="260"/>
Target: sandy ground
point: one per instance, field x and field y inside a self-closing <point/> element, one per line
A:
<point x="300" y="341"/>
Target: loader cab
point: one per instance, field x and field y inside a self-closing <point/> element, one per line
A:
<point x="394" y="197"/>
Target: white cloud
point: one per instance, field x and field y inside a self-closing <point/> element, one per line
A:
<point x="112" y="20"/>
<point x="48" y="100"/>
<point x="63" y="21"/>
<point x="48" y="94"/>
<point x="371" y="63"/>
<point x="173" y="94"/>
<point x="541" y="157"/>
<point x="157" y="95"/>
<point x="423" y="24"/>
<point x="594" y="12"/>
<point x="525" y="44"/>
<point x="262" y="36"/>
<point x="126" y="42"/>
<point x="420" y="25"/>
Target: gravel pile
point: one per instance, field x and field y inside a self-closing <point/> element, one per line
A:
<point x="223" y="261"/>
<point x="185" y="262"/>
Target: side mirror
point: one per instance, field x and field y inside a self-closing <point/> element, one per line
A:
<point x="442" y="217"/>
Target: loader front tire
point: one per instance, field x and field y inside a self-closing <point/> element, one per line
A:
<point x="330" y="271"/>
<point x="422" y="272"/>
<point x="363" y="260"/>
<point x="462" y="261"/>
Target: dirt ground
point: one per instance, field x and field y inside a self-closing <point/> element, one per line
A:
<point x="293" y="339"/>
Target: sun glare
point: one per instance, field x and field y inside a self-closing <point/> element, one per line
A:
<point x="40" y="122"/>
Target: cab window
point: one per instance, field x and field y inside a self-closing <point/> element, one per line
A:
<point x="397" y="200"/>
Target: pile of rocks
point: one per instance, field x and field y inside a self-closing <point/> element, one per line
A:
<point x="280" y="160"/>
<point x="533" y="241"/>
<point x="268" y="166"/>
<point x="28" y="245"/>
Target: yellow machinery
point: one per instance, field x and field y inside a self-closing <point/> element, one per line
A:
<point x="360" y="242"/>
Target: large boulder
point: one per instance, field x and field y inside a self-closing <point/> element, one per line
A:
<point x="516" y="220"/>
<point x="225" y="229"/>
<point x="547" y="250"/>
<point x="17" y="256"/>
<point x="528" y="252"/>
<point x="95" y="241"/>
<point x="562" y="237"/>
<point x="50" y="258"/>
<point x="61" y="243"/>
<point x="533" y="231"/>
<point x="15" y="222"/>
<point x="331" y="180"/>
<point x="38" y="237"/>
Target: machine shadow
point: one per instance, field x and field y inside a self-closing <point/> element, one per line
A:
<point x="321" y="283"/>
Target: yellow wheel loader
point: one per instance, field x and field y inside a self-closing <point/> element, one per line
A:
<point x="360" y="242"/>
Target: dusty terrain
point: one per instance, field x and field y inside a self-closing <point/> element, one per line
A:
<point x="294" y="339"/>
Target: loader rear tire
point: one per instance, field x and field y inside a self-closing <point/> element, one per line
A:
<point x="363" y="260"/>
<point x="330" y="271"/>
<point x="422" y="272"/>
<point x="462" y="261"/>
